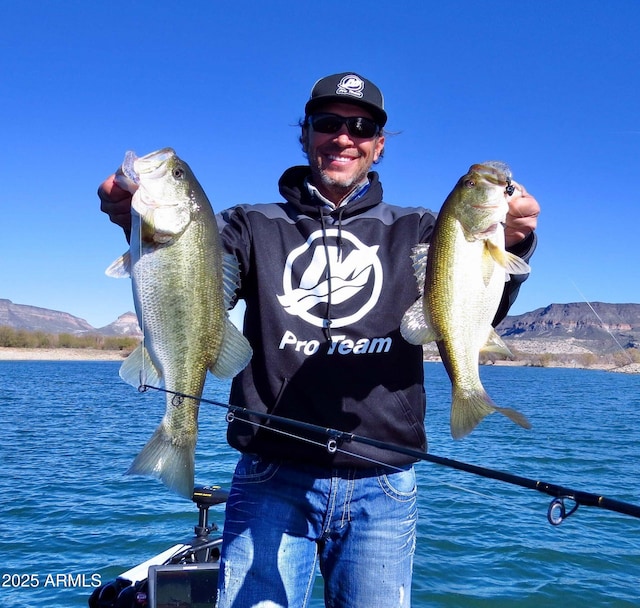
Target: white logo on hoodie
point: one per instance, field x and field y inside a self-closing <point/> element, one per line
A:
<point x="352" y="272"/>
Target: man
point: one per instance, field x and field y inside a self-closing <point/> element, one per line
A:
<point x="326" y="277"/>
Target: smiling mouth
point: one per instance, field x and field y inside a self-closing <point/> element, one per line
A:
<point x="341" y="159"/>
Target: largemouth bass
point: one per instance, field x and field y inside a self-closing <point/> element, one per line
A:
<point x="461" y="274"/>
<point x="182" y="287"/>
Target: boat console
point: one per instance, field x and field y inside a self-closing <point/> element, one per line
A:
<point x="183" y="575"/>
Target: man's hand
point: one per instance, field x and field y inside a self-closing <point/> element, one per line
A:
<point x="116" y="203"/>
<point x="522" y="217"/>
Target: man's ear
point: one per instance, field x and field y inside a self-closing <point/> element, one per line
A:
<point x="304" y="139"/>
<point x="379" y="149"/>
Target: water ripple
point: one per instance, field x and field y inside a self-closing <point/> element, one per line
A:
<point x="71" y="430"/>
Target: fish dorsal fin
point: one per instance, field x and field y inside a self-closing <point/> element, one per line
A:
<point x="230" y="279"/>
<point x="419" y="255"/>
<point x="414" y="327"/>
<point x="138" y="369"/>
<point x="120" y="268"/>
<point x="235" y="352"/>
<point x="510" y="262"/>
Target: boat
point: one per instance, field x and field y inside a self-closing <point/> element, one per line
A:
<point x="183" y="576"/>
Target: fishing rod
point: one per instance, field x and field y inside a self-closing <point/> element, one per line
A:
<point x="558" y="509"/>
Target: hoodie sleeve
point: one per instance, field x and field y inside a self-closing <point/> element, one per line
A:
<point x="524" y="249"/>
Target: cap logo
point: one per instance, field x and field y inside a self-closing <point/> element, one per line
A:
<point x="351" y="85"/>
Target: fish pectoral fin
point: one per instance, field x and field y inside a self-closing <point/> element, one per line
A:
<point x="138" y="369"/>
<point x="516" y="265"/>
<point x="414" y="327"/>
<point x="120" y="268"/>
<point x="496" y="345"/>
<point x="509" y="261"/>
<point x="235" y="353"/>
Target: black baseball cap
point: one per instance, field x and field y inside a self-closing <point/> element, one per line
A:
<point x="348" y="87"/>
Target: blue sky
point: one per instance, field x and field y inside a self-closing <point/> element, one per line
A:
<point x="550" y="87"/>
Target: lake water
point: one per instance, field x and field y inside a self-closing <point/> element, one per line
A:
<point x="70" y="518"/>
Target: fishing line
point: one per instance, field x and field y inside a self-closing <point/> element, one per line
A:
<point x="143" y="370"/>
<point x="565" y="500"/>
<point x="593" y="310"/>
<point x="453" y="486"/>
<point x="328" y="446"/>
<point x="490" y="496"/>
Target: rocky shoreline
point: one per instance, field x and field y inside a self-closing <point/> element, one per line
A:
<point x="60" y="354"/>
<point x="567" y="353"/>
<point x="528" y="354"/>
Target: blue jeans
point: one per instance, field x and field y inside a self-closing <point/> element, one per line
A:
<point x="282" y="519"/>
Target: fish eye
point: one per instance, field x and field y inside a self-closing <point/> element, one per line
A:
<point x="178" y="173"/>
<point x="469" y="183"/>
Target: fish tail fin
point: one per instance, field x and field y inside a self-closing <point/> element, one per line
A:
<point x="173" y="464"/>
<point x="468" y="410"/>
<point x="514" y="416"/>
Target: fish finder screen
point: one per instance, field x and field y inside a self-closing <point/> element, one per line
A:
<point x="191" y="585"/>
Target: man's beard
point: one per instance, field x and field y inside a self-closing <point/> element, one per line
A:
<point x="345" y="183"/>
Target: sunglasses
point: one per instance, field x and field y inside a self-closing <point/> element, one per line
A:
<point x="357" y="126"/>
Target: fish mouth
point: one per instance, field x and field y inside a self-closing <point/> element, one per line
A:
<point x="150" y="163"/>
<point x="134" y="166"/>
<point x="151" y="166"/>
<point x="485" y="206"/>
<point x="494" y="171"/>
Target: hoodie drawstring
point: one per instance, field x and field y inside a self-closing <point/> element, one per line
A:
<point x="339" y="242"/>
<point x="327" y="320"/>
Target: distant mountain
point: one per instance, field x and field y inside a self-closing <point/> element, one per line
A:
<point x="34" y="318"/>
<point x="605" y="327"/>
<point x="124" y="325"/>
<point x="597" y="327"/>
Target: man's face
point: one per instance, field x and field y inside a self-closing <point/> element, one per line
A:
<point x="339" y="161"/>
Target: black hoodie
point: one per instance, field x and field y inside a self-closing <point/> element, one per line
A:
<point x="325" y="290"/>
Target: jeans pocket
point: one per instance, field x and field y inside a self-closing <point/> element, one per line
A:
<point x="399" y="485"/>
<point x="253" y="469"/>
